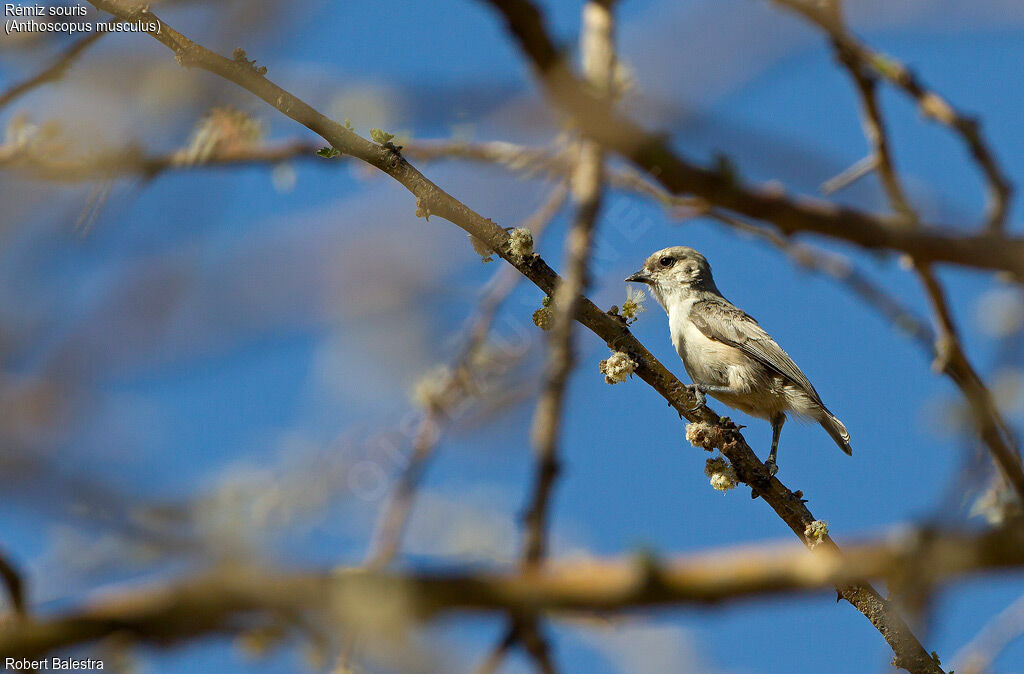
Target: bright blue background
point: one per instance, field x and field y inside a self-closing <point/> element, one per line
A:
<point x="207" y="324"/>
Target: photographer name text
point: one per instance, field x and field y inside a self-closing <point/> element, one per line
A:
<point x="54" y="664"/>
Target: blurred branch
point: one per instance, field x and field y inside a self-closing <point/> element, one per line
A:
<point x="457" y="385"/>
<point x="587" y="181"/>
<point x="57" y="68"/>
<point x="977" y="656"/>
<point x="721" y="186"/>
<point x="14" y="584"/>
<point x="525" y="159"/>
<point x="848" y="176"/>
<point x="134" y="161"/>
<point x="529" y="160"/>
<point x="233" y="600"/>
<point x="950" y="356"/>
<point x="432" y="199"/>
<point x="932" y="105"/>
<point x="598" y="52"/>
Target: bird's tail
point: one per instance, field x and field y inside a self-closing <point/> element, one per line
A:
<point x="837" y="430"/>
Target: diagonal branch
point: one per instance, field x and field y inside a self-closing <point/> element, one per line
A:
<point x="431" y="198"/>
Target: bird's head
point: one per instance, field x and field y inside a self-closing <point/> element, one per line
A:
<point x="675" y="272"/>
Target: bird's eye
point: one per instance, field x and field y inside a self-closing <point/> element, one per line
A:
<point x="666" y="261"/>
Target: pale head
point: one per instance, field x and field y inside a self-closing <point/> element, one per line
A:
<point x="675" y="272"/>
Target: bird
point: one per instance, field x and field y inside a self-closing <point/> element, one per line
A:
<point x="726" y="353"/>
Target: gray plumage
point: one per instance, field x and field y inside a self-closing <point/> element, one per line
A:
<point x="726" y="353"/>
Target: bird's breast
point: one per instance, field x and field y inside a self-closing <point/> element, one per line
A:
<point x="706" y="361"/>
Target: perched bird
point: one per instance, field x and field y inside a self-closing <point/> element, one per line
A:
<point x="726" y="353"/>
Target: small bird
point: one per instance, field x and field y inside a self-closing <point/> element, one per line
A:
<point x="726" y="353"/>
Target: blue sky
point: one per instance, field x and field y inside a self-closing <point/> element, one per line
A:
<point x="208" y="324"/>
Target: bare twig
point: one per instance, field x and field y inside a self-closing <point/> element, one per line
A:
<point x="978" y="655"/>
<point x="931" y="104"/>
<point x="950" y="356"/>
<point x="133" y="161"/>
<point x="847" y="177"/>
<point x="599" y="60"/>
<point x="840" y="268"/>
<point x="388" y="535"/>
<point x="598" y="48"/>
<point x="789" y="506"/>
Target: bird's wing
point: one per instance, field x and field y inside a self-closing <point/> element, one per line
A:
<point x="725" y="323"/>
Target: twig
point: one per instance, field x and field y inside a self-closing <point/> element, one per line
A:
<point x="950" y="356"/>
<point x="132" y="161"/>
<point x="500" y="650"/>
<point x="849" y="176"/>
<point x="844" y="272"/>
<point x="587" y="192"/>
<point x="978" y="655"/>
<point x="598" y="50"/>
<point x="388" y="535"/>
<point x="789" y="506"/>
<point x="931" y="104"/>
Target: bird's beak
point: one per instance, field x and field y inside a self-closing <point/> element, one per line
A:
<point x="640" y="277"/>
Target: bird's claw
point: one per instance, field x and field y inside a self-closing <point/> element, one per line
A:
<point x="699" y="395"/>
<point x="771" y="467"/>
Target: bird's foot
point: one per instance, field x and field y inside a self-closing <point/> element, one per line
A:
<point x="771" y="466"/>
<point x="699" y="395"/>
